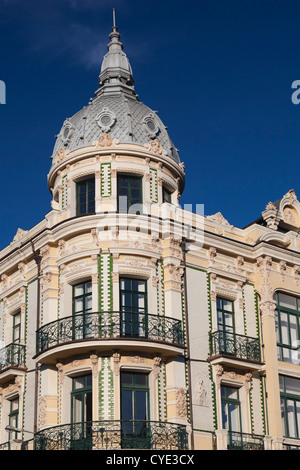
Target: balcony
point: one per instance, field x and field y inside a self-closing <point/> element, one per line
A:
<point x="113" y="435"/>
<point x="243" y="441"/>
<point x="233" y="348"/>
<point x="113" y="329"/>
<point x="12" y="361"/>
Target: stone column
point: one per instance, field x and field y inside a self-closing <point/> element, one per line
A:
<point x="267" y="307"/>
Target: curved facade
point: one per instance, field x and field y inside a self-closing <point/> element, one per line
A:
<point x="129" y="322"/>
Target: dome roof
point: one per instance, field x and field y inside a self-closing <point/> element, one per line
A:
<point x="124" y="118"/>
<point x="115" y="110"/>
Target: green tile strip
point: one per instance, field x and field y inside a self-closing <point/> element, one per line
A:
<point x="153" y="185"/>
<point x="105" y="180"/>
<point x="101" y="389"/>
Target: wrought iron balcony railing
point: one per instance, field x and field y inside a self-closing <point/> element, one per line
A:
<point x="113" y="435"/>
<point x="5" y="446"/>
<point x="231" y="344"/>
<point x="12" y="355"/>
<point x="243" y="441"/>
<point x="109" y="325"/>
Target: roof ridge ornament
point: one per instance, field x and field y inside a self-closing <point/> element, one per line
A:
<point x="116" y="73"/>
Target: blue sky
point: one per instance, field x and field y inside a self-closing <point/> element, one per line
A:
<point x="219" y="72"/>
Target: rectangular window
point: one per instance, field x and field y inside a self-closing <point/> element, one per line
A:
<point x="82" y="308"/>
<point x="14" y="416"/>
<point x="85" y="197"/>
<point x="225" y="315"/>
<point x="135" y="410"/>
<point x="290" y="406"/>
<point x="16" y="336"/>
<point x="133" y="307"/>
<point x="130" y="194"/>
<point x="166" y="195"/>
<point x="81" y="413"/>
<point x="287" y="326"/>
<point x="231" y="413"/>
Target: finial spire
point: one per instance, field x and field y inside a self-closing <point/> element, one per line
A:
<point x="114" y="19"/>
<point x="116" y="71"/>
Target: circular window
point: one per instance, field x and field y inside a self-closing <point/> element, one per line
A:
<point x="66" y="132"/>
<point x="106" y="120"/>
<point x="151" y="125"/>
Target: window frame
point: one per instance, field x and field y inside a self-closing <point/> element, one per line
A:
<point x="133" y="319"/>
<point x="231" y="401"/>
<point x="129" y="178"/>
<point x="13" y="416"/>
<point x="290" y="313"/>
<point x="16" y="337"/>
<point x="284" y="398"/>
<point x="223" y="312"/>
<point x="169" y="193"/>
<point x="85" y="182"/>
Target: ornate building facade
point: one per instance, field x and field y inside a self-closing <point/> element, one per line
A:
<point x="129" y="322"/>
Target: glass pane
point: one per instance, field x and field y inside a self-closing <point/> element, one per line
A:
<point x="227" y="305"/>
<point x="77" y="408"/>
<point x="297" y="406"/>
<point x="88" y="303"/>
<point x="283" y="420"/>
<point x="79" y="290"/>
<point x="78" y="305"/>
<point x="291" y="418"/>
<point x="135" y="183"/>
<point x="141" y="379"/>
<point x="234" y="417"/>
<point x="287" y="301"/>
<point x="88" y="287"/>
<point x="284" y="328"/>
<point x="88" y="416"/>
<point x="224" y="416"/>
<point x="141" y="405"/>
<point x="78" y="382"/>
<point x="277" y="328"/>
<point x="14" y="405"/>
<point x="228" y="319"/>
<point x="292" y="386"/>
<point x="293" y="330"/>
<point x="281" y="383"/>
<point x="126" y="378"/>
<point x="127" y="405"/>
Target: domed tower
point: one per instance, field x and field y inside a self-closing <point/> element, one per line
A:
<point x="113" y="136"/>
<point x="112" y="308"/>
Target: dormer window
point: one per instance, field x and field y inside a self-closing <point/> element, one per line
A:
<point x="85" y="195"/>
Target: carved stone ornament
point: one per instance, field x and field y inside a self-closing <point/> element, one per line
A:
<point x="181" y="403"/>
<point x="156" y="366"/>
<point x="212" y="253"/>
<point x="288" y="216"/>
<point x="61" y="154"/>
<point x="106" y="119"/>
<point x="94" y="361"/>
<point x="42" y="411"/>
<point x="105" y="141"/>
<point x="116" y="363"/>
<point x="219" y="219"/>
<point x="19" y="235"/>
<point x="264" y="264"/>
<point x="155" y="147"/>
<point x="271" y="216"/>
<point x="200" y="393"/>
